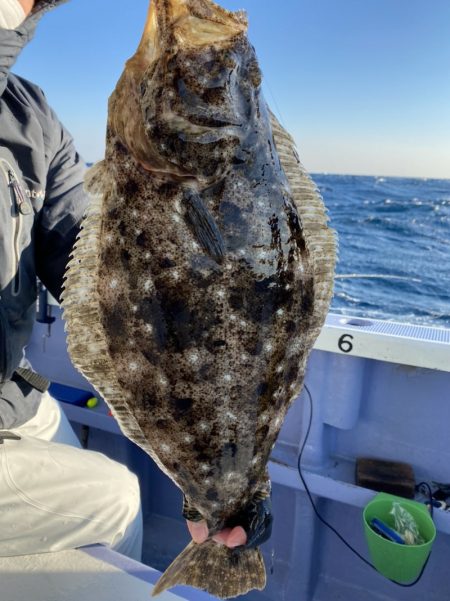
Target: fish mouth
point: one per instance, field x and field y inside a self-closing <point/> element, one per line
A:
<point x="190" y="23"/>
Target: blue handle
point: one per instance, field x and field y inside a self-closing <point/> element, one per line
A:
<point x="381" y="528"/>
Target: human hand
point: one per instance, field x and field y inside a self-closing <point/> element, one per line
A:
<point x="231" y="537"/>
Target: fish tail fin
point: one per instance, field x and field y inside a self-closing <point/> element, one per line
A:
<point x="222" y="572"/>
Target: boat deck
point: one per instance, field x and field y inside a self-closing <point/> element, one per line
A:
<point x="89" y="574"/>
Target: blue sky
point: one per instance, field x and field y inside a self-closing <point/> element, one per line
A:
<point x="363" y="85"/>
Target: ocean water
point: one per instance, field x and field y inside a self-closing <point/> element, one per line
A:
<point x="399" y="230"/>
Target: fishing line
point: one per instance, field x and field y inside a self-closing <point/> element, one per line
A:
<point x="327" y="524"/>
<point x="275" y="103"/>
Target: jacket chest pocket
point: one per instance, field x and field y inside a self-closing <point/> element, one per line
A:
<point x="15" y="230"/>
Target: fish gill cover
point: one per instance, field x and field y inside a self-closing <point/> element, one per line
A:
<point x="201" y="279"/>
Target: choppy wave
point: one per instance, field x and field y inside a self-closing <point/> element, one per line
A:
<point x="391" y="227"/>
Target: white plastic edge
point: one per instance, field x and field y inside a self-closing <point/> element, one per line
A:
<point x="417" y="346"/>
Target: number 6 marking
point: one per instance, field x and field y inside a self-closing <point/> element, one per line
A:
<point x="344" y="343"/>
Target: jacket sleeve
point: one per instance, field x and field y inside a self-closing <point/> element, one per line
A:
<point x="64" y="207"/>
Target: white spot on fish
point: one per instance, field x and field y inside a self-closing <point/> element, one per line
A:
<point x="176" y="218"/>
<point x="188" y="438"/>
<point x="203" y="426"/>
<point x="242" y="251"/>
<point x="215" y="505"/>
<point x="296" y="347"/>
<point x="229" y="266"/>
<point x="243" y="324"/>
<point x="147" y="256"/>
<point x="268" y="347"/>
<point x="134" y="308"/>
<point x="280" y="312"/>
<point x="148" y="285"/>
<point x="231" y="416"/>
<point x="255" y="460"/>
<point x="227" y="377"/>
<point x="195" y="246"/>
<point x="134" y="213"/>
<point x="264" y="418"/>
<point x="148" y="328"/>
<point x="287" y="287"/>
<point x="175" y="275"/>
<point x="280" y="368"/>
<point x="137" y="232"/>
<point x="165" y="448"/>
<point x="244" y="357"/>
<point x="193" y="357"/>
<point x="232" y="318"/>
<point x="205" y="467"/>
<point x="113" y="284"/>
<point x="207" y="482"/>
<point x="163" y="381"/>
<point x="132" y="366"/>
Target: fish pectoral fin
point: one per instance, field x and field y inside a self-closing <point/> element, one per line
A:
<point x="203" y="226"/>
<point x="204" y="566"/>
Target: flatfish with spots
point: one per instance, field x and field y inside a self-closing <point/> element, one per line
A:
<point x="202" y="277"/>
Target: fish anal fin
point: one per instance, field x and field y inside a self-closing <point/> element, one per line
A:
<point x="222" y="572"/>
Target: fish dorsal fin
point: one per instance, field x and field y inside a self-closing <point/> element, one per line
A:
<point x="86" y="339"/>
<point x="320" y="239"/>
<point x="96" y="179"/>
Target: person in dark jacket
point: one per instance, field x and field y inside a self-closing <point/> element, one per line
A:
<point x="53" y="494"/>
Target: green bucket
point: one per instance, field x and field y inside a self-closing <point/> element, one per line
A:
<point x="402" y="563"/>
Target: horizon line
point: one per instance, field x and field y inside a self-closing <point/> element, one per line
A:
<point x="347" y="174"/>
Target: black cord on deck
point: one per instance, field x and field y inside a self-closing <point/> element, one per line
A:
<point x="323" y="520"/>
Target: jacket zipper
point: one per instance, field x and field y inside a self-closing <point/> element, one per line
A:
<point x="3" y="348"/>
<point x="20" y="207"/>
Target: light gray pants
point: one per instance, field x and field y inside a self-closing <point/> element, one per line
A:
<point x="56" y="496"/>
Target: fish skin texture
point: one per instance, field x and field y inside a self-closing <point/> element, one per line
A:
<point x="202" y="276"/>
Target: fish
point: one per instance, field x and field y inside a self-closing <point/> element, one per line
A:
<point x="201" y="278"/>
